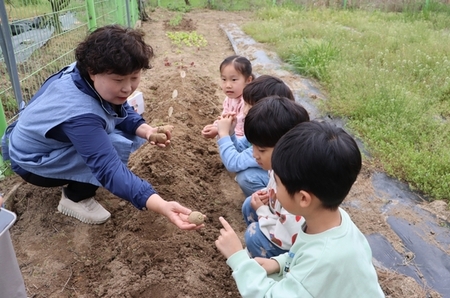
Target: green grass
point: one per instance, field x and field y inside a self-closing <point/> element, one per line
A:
<point x="29" y="9"/>
<point x="21" y="9"/>
<point x="180" y="7"/>
<point x="5" y="169"/>
<point x="387" y="74"/>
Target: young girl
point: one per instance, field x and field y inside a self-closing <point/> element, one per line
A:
<point x="235" y="73"/>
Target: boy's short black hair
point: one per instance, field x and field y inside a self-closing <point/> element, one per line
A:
<point x="319" y="158"/>
<point x="113" y="49"/>
<point x="270" y="118"/>
<point x="264" y="86"/>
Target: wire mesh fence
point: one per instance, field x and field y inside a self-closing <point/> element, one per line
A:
<point x="43" y="36"/>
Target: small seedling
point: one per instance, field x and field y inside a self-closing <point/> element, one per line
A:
<point x="170" y="114"/>
<point x="175" y="21"/>
<point x="182" y="75"/>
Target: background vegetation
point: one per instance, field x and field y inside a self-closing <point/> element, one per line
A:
<point x="386" y="73"/>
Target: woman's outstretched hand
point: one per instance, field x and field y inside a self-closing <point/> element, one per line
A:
<point x="178" y="215"/>
<point x="174" y="211"/>
<point x="161" y="136"/>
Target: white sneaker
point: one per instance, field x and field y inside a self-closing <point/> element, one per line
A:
<point x="88" y="211"/>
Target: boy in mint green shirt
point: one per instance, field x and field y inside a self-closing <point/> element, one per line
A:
<point x="315" y="165"/>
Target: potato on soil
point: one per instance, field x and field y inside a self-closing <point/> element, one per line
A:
<point x="196" y="218"/>
<point x="160" y="138"/>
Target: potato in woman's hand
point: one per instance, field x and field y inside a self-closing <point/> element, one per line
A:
<point x="164" y="129"/>
<point x="158" y="138"/>
<point x="196" y="218"/>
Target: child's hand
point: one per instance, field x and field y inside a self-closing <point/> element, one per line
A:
<point x="209" y="131"/>
<point x="228" y="242"/>
<point x="271" y="266"/>
<point x="225" y="125"/>
<point x="256" y="201"/>
<point x="233" y="123"/>
<point x="264" y="196"/>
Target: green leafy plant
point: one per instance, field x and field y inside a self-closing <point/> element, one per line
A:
<point x="176" y="20"/>
<point x="5" y="169"/>
<point x="190" y="39"/>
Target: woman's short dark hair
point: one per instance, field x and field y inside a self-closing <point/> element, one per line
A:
<point x="113" y="49"/>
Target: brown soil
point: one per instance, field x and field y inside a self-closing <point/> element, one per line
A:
<point x="141" y="254"/>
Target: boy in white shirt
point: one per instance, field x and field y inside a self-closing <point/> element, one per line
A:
<point x="271" y="229"/>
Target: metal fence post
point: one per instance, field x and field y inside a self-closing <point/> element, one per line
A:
<point x="127" y="9"/>
<point x="120" y="14"/>
<point x="133" y="12"/>
<point x="92" y="18"/>
<point x="8" y="54"/>
<point x="10" y="61"/>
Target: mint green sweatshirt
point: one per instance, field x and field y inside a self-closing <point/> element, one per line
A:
<point x="335" y="263"/>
